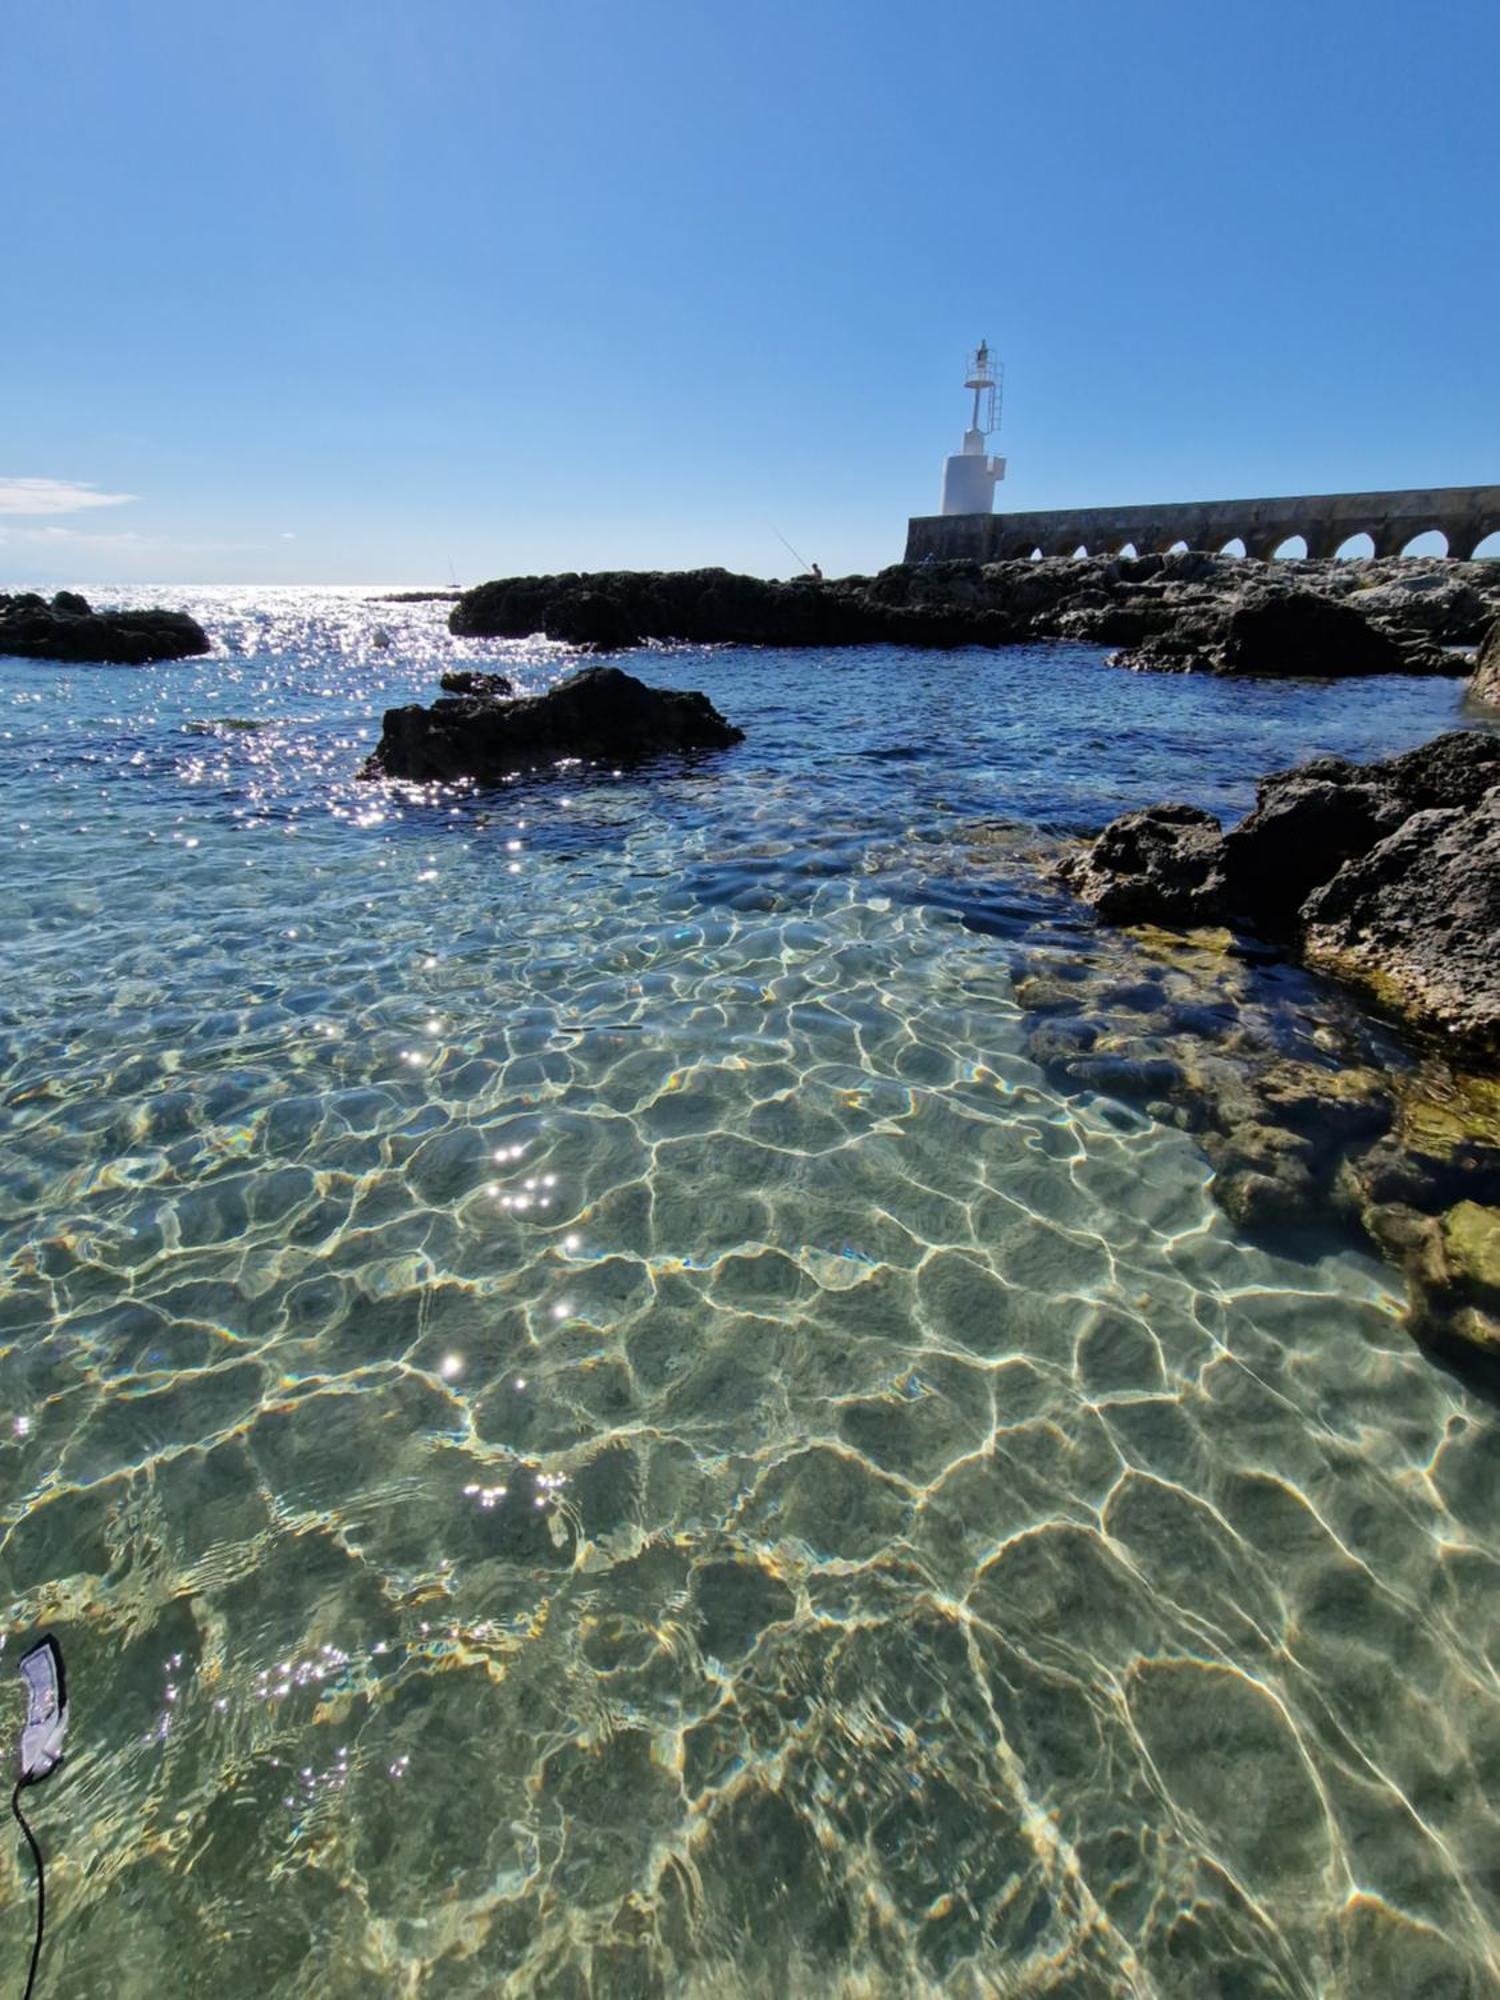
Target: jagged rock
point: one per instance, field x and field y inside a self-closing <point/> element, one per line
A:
<point x="497" y="687"/>
<point x="1164" y="864"/>
<point x="68" y="629"/>
<point x="1447" y="610"/>
<point x="1187" y="611"/>
<point x="1283" y="631"/>
<point x="1484" y="684"/>
<point x="1386" y="873"/>
<point x="1417" y="921"/>
<point x="1305" y="825"/>
<point x="599" y="715"/>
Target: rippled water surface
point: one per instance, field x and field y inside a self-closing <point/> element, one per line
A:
<point x="590" y="1424"/>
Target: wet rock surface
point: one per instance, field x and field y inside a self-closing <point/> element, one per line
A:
<point x="600" y="715"/>
<point x="69" y="629"/>
<point x="1385" y="874"/>
<point x="497" y="687"/>
<point x="1163" y="864"/>
<point x="1185" y="612"/>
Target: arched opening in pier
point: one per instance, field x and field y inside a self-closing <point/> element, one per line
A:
<point x="1178" y="548"/>
<point x="1127" y="549"/>
<point x="1233" y="547"/>
<point x="1355" y="548"/>
<point x="1488" y="548"/>
<point x="1431" y="542"/>
<point x="1292" y="549"/>
<point x="1037" y="554"/>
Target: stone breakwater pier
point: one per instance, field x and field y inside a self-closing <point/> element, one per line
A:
<point x="1463" y="515"/>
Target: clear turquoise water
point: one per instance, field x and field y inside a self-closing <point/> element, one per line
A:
<point x="589" y="1422"/>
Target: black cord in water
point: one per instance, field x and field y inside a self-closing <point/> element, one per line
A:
<point x="41" y="1885"/>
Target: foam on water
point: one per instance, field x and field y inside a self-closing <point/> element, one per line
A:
<point x="589" y="1422"/>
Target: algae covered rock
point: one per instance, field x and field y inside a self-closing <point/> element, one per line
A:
<point x="1417" y="921"/>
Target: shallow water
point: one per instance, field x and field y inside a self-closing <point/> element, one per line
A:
<point x="589" y="1422"/>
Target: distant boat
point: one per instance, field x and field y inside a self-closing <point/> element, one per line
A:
<point x="380" y="637"/>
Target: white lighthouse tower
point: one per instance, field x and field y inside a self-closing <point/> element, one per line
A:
<point x="969" y="476"/>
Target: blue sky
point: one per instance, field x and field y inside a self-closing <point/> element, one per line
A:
<point x="389" y="290"/>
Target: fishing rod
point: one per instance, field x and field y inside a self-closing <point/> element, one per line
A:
<point x="41" y="1753"/>
<point x="787" y="545"/>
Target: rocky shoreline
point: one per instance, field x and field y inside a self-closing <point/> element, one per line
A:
<point x="1186" y="612"/>
<point x="1385" y="877"/>
<point x="68" y="629"/>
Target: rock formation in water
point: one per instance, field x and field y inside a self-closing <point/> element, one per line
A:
<point x="1386" y="874"/>
<point x="600" y="715"/>
<point x="1275" y="631"/>
<point x="69" y="629"/>
<point x="1188" y="612"/>
<point x="465" y="681"/>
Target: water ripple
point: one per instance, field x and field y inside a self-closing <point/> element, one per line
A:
<point x="590" y="1422"/>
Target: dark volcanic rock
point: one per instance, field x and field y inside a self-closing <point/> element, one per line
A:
<point x="1282" y="632"/>
<point x="1417" y="920"/>
<point x="1305" y="825"/>
<point x="1387" y="874"/>
<point x="1188" y="612"/>
<point x="591" y="618"/>
<point x="497" y="686"/>
<point x="599" y="715"/>
<point x="905" y="606"/>
<point x="67" y="629"/>
<point x="1163" y="864"/>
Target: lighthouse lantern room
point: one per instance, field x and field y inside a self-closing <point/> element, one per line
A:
<point x="970" y="476"/>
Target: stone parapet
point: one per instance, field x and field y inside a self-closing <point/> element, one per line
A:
<point x="1463" y="515"/>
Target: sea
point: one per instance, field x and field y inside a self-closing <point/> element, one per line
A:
<point x="590" y="1422"/>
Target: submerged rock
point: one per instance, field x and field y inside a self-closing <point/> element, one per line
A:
<point x="1314" y="1121"/>
<point x="1387" y="876"/>
<point x="69" y="629"/>
<point x="600" y="715"/>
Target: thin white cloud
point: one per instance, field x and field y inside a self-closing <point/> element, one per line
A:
<point x="53" y="496"/>
<point x="76" y="538"/>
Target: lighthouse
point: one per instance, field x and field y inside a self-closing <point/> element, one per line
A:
<point x="970" y="476"/>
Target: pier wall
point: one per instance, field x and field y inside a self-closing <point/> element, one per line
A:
<point x="1463" y="515"/>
